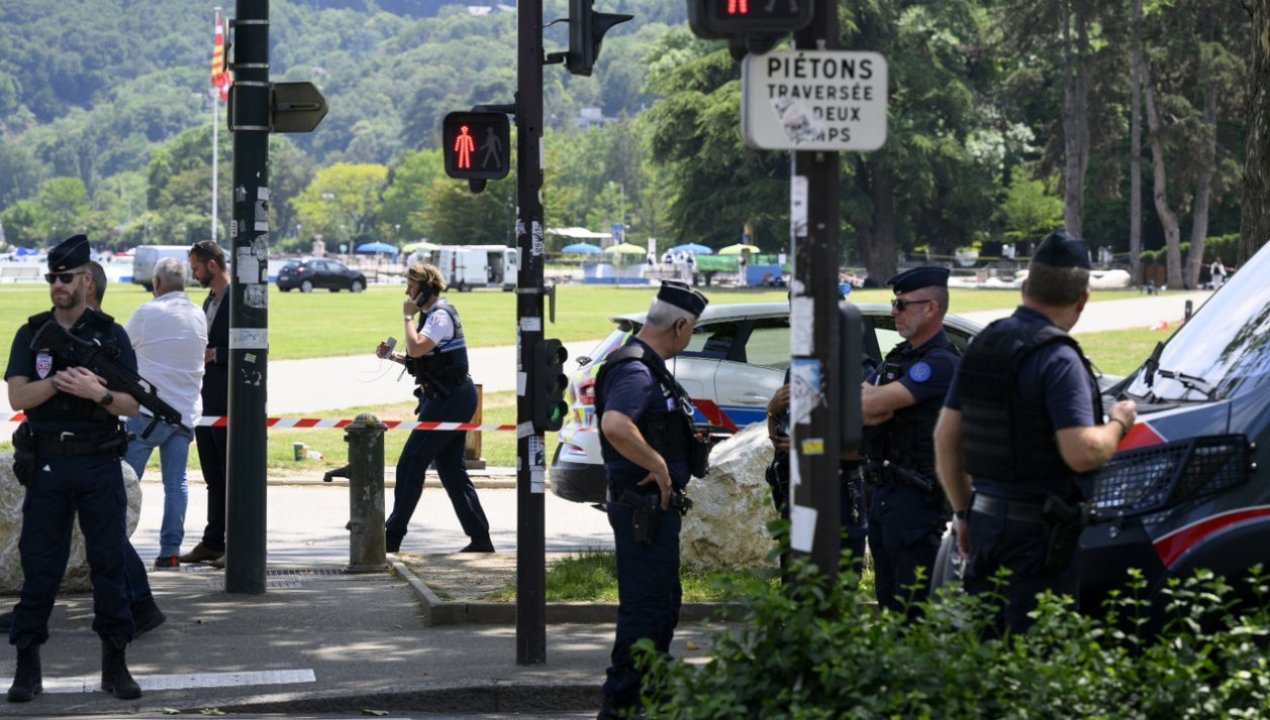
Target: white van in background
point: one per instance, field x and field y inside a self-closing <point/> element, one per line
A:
<point x="479" y="266"/>
<point x="145" y="257"/>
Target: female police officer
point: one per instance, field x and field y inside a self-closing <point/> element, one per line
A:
<point x="436" y="354"/>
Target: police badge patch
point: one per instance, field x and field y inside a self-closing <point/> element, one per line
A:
<point x="920" y="372"/>
<point x="43" y="364"/>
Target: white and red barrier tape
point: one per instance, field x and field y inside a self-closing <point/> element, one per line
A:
<point x="292" y="422"/>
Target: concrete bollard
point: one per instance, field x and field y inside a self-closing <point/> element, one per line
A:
<point x="366" y="544"/>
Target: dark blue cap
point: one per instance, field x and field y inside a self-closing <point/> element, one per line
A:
<point x="1062" y="249"/>
<point x="69" y="254"/>
<point x="918" y="278"/>
<point x="681" y="296"/>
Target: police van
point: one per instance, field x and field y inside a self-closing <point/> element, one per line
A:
<point x="1184" y="490"/>
<point x="479" y="266"/>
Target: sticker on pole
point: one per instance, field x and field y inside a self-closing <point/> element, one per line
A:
<point x="814" y="100"/>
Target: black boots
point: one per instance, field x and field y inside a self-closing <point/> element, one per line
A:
<point x="115" y="678"/>
<point x="147" y="616"/>
<point x="479" y="545"/>
<point x="27" y="681"/>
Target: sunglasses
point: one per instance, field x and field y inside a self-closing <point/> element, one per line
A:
<point x="900" y="305"/>
<point x="65" y="278"/>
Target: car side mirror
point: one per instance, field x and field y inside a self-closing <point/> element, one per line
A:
<point x="583" y="359"/>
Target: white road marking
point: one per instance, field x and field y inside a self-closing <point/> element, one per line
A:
<point x="92" y="683"/>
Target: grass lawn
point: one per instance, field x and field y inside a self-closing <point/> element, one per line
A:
<point x="325" y="324"/>
<point x="1120" y="352"/>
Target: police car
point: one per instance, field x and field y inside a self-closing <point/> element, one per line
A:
<point x="735" y="362"/>
<point x="1183" y="490"/>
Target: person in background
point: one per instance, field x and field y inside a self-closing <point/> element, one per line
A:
<point x="169" y="335"/>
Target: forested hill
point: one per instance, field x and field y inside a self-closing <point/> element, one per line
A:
<point x="93" y="86"/>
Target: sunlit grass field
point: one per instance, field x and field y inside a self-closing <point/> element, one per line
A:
<point x="326" y="324"/>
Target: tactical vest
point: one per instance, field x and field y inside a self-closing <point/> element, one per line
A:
<point x="669" y="432"/>
<point x="1004" y="438"/>
<point x="93" y="326"/>
<point x="907" y="439"/>
<point x="447" y="363"/>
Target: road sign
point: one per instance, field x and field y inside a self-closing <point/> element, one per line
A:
<point x="477" y="145"/>
<point x="814" y="100"/>
<point x="296" y="107"/>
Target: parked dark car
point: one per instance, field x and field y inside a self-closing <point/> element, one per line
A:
<point x="1184" y="490"/>
<point x="308" y="275"/>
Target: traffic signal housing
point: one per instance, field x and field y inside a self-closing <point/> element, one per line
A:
<point x="729" y="18"/>
<point x="477" y="145"/>
<point x="586" y="31"/>
<point x="550" y="382"/>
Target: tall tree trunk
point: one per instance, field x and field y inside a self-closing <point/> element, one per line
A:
<point x="1075" y="113"/>
<point x="1204" y="185"/>
<point x="1168" y="220"/>
<point x="1255" y="227"/>
<point x="1135" y="150"/>
<point x="877" y="237"/>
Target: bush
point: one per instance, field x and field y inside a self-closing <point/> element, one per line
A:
<point x="820" y="650"/>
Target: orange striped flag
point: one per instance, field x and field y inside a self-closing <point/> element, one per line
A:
<point x="221" y="78"/>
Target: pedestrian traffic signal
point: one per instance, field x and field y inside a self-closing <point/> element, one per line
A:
<point x="550" y="381"/>
<point x="586" y="32"/>
<point x="477" y="145"/>
<point x="726" y="18"/>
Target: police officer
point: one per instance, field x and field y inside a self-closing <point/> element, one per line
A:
<point x="436" y="354"/>
<point x="1023" y="418"/>
<point x="901" y="402"/>
<point x="649" y="453"/>
<point x="75" y="443"/>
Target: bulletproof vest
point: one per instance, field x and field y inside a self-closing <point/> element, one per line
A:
<point x="907" y="439"/>
<point x="447" y="363"/>
<point x="1004" y="438"/>
<point x="93" y="326"/>
<point x="668" y="431"/>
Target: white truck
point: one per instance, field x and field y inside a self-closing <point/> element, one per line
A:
<point x="145" y="257"/>
<point x="479" y="266"/>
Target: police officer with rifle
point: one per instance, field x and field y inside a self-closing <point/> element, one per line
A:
<point x="1023" y="422"/>
<point x="72" y="371"/>
<point x="649" y="451"/>
<point x="901" y="402"/>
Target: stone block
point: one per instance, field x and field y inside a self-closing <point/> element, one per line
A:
<point x="11" y="496"/>
<point x="732" y="505"/>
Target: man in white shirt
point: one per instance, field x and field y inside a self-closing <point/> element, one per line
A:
<point x="169" y="334"/>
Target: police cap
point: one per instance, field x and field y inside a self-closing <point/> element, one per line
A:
<point x="918" y="278"/>
<point x="1062" y="249"/>
<point x="69" y="254"/>
<point x="681" y="296"/>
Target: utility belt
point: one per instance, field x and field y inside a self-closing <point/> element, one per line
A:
<point x="647" y="507"/>
<point x="885" y="472"/>
<point x="1062" y="522"/>
<point x="29" y="443"/>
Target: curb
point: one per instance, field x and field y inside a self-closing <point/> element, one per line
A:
<point x="475" y="612"/>
<point x="488" y="698"/>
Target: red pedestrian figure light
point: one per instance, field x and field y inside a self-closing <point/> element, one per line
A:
<point x="738" y="6"/>
<point x="464" y="146"/>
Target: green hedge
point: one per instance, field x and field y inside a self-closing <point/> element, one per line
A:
<point x="819" y="651"/>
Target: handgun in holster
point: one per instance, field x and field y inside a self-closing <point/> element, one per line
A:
<point x="24" y="455"/>
<point x="647" y="508"/>
<point x="1063" y="524"/>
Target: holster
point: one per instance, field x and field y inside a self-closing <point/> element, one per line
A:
<point x="698" y="456"/>
<point x="644" y="518"/>
<point x="1063" y="525"/>
<point x="24" y="455"/>
<point x="777" y="476"/>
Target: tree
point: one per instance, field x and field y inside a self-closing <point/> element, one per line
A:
<point x="1029" y="211"/>
<point x="453" y="215"/>
<point x="1255" y="226"/>
<point x="404" y="198"/>
<point x="342" y="200"/>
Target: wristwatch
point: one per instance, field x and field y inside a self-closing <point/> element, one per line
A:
<point x="107" y="399"/>
<point x="959" y="514"/>
<point x="408" y="318"/>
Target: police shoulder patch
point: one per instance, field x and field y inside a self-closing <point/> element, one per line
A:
<point x="920" y="372"/>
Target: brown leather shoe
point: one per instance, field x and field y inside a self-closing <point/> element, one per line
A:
<point x="199" y="554"/>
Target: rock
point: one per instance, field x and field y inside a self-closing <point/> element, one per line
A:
<point x="732" y="505"/>
<point x="11" y="496"/>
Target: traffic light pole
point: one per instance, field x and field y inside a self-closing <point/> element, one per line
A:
<point x="249" y="292"/>
<point x="816" y="367"/>
<point x="531" y="564"/>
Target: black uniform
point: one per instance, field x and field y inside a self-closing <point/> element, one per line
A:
<point x="78" y="447"/>
<point x="213" y="442"/>
<point x="635" y="382"/>
<point x="906" y="520"/>
<point x="1023" y="379"/>
<point x="446" y="394"/>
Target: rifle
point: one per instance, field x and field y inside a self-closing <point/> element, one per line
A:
<point x="909" y="477"/>
<point x="75" y="351"/>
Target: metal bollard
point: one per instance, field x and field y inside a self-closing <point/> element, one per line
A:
<point x="1189" y="310"/>
<point x="366" y="544"/>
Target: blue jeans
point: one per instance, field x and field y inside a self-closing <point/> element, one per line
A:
<point x="174" y="451"/>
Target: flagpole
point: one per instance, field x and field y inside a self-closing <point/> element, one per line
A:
<point x="215" y="95"/>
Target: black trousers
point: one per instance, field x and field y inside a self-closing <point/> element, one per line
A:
<point x="213" y="454"/>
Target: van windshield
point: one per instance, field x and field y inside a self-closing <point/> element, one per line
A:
<point x="1226" y="344"/>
